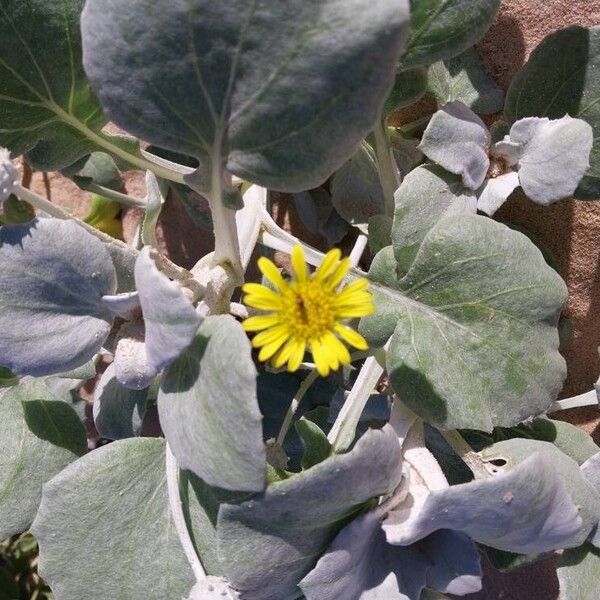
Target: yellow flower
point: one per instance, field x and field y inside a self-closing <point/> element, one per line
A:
<point x="307" y="312"/>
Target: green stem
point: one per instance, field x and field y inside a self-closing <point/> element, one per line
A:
<point x="389" y="175"/>
<point x="470" y="458"/>
<point x="123" y="199"/>
<point x="289" y="416"/>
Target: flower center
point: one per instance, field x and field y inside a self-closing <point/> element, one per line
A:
<point x="307" y="309"/>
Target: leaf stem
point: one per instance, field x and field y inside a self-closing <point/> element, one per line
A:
<point x="343" y="431"/>
<point x="176" y="506"/>
<point x="470" y="458"/>
<point x="389" y="175"/>
<point x="289" y="416"/>
<point x="123" y="199"/>
<point x="588" y="399"/>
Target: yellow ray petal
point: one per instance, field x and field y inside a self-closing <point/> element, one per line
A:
<point x="257" y="289"/>
<point x="351" y="337"/>
<point x="299" y="262"/>
<point x="353" y="312"/>
<point x="260" y="322"/>
<point x="269" y="350"/>
<point x="262" y="303"/>
<point x="296" y="356"/>
<point x="328" y="264"/>
<point x="335" y="346"/>
<point x="355" y="286"/>
<point x="270" y="335"/>
<point x="271" y="272"/>
<point x="284" y="354"/>
<point x="345" y="299"/>
<point x="339" y="273"/>
<point x="320" y="358"/>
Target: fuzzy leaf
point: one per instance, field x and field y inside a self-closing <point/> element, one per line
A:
<point x="525" y="510"/>
<point x="210" y="413"/>
<point x="118" y="411"/>
<point x="561" y="77"/>
<point x="105" y="530"/>
<point x="442" y="29"/>
<point x="465" y="79"/>
<point x="474" y="343"/>
<point x="426" y="195"/>
<point x="47" y="107"/>
<point x="458" y="140"/>
<point x="578" y="572"/>
<point x="409" y="87"/>
<point x="53" y="275"/>
<point x="495" y="192"/>
<point x="270" y="542"/>
<point x="29" y="459"/>
<point x="219" y="96"/>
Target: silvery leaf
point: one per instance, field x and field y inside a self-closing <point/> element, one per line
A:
<point x="361" y="565"/>
<point x="554" y="156"/>
<point x="458" y="140"/>
<point x="169" y="317"/>
<point x="155" y="198"/>
<point x="126" y="305"/>
<point x="527" y="510"/>
<point x="426" y="195"/>
<point x="209" y="411"/>
<point x="213" y="588"/>
<point x="219" y="95"/>
<point x="118" y="411"/>
<point x="132" y="368"/>
<point x="495" y="192"/>
<point x="591" y="471"/>
<point x="578" y="572"/>
<point x="105" y="529"/>
<point x="53" y="275"/>
<point x="270" y="542"/>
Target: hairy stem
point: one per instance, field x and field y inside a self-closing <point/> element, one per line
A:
<point x="289" y="416"/>
<point x="123" y="199"/>
<point x="587" y="399"/>
<point x="389" y="175"/>
<point x="176" y="507"/>
<point x="470" y="458"/>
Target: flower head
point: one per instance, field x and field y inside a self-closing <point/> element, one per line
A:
<point x="307" y="312"/>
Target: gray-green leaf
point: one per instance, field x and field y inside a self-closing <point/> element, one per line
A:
<point x="227" y="90"/>
<point x="464" y="78"/>
<point x="27" y="460"/>
<point x="562" y="77"/>
<point x="474" y="343"/>
<point x="105" y="529"/>
<point x="53" y="275"/>
<point x="442" y="29"/>
<point x="209" y="411"/>
<point x="578" y="572"/>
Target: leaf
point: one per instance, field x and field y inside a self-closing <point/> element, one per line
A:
<point x="223" y="95"/>
<point x="578" y="572"/>
<point x="7" y="378"/>
<point x="458" y="140"/>
<point x="443" y="29"/>
<point x="48" y="110"/>
<point x="170" y="319"/>
<point x="526" y="510"/>
<point x="270" y="542"/>
<point x="474" y="340"/>
<point x="213" y="588"/>
<point x="118" y="411"/>
<point x="360" y="564"/>
<point x="98" y="168"/>
<point x="409" y="87"/>
<point x="464" y="78"/>
<point x="27" y="461"/>
<point x="53" y="275"/>
<point x="316" y="445"/>
<point x="380" y="233"/>
<point x="427" y="194"/>
<point x="105" y="530"/>
<point x="210" y="414"/>
<point x="583" y="493"/>
<point x="356" y="191"/>
<point x="561" y="77"/>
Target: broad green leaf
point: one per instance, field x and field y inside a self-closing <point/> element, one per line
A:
<point x="267" y="544"/>
<point x="48" y="110"/>
<point x="7" y="378"/>
<point x="578" y="572"/>
<point x="583" y="493"/>
<point x="380" y="233"/>
<point x="464" y="78"/>
<point x="560" y="78"/>
<point x="409" y="87"/>
<point x="29" y="459"/>
<point x="426" y="195"/>
<point x="473" y="325"/>
<point x="229" y="94"/>
<point x="527" y="509"/>
<point x="105" y="529"/>
<point x="53" y="275"/>
<point x="443" y="29"/>
<point x="16" y="212"/>
<point x="316" y="445"/>
<point x="118" y="411"/>
<point x="356" y="191"/>
<point x="98" y="168"/>
<point x="209" y="412"/>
